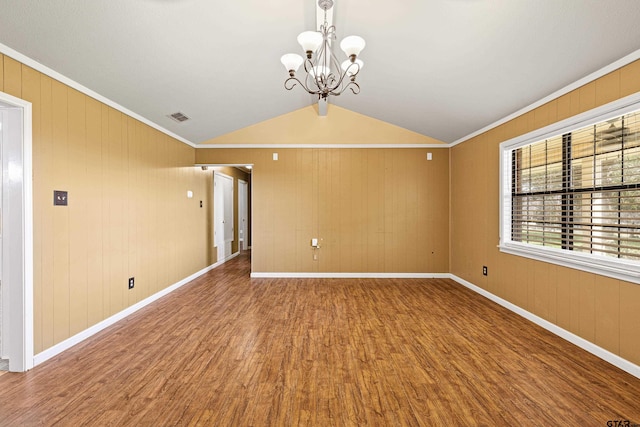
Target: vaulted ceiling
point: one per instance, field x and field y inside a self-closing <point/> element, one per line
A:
<point x="441" y="68"/>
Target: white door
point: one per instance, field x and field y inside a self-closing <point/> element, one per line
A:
<point x="223" y="214"/>
<point x="243" y="207"/>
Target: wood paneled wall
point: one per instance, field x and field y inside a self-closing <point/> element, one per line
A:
<point x="374" y="210"/>
<point x="128" y="212"/>
<point x="599" y="309"/>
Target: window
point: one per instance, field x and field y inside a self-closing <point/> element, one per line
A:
<point x="573" y="197"/>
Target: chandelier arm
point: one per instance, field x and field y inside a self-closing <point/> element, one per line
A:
<point x="308" y="80"/>
<point x="352" y="85"/>
<point x="321" y="61"/>
<point x="290" y="83"/>
<point x="350" y="79"/>
<point x="308" y="65"/>
<point x="335" y="64"/>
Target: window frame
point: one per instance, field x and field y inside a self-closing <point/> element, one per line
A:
<point x="623" y="269"/>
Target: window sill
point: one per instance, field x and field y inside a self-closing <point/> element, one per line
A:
<point x="616" y="268"/>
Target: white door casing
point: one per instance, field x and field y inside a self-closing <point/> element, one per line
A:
<point x="223" y="214"/>
<point x="17" y="232"/>
<point x="243" y="214"/>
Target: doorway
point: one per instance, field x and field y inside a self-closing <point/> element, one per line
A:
<point x="16" y="230"/>
<point x="223" y="227"/>
<point x="243" y="214"/>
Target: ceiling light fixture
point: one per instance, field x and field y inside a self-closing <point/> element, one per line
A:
<point x="324" y="74"/>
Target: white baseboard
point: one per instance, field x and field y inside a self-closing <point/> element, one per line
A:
<point x="600" y="352"/>
<point x="81" y="336"/>
<point x="353" y="275"/>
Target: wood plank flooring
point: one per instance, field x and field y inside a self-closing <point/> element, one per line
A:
<point x="226" y="350"/>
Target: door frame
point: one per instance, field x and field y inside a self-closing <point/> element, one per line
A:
<point x="243" y="213"/>
<point x="219" y="195"/>
<point x="17" y="226"/>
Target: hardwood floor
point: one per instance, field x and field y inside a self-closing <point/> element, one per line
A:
<point x="227" y="350"/>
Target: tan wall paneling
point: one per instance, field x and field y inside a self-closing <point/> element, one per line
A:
<point x="608" y="88"/>
<point x="1" y="72"/>
<point x="61" y="180"/>
<point x="469" y="209"/>
<point x="375" y="210"/>
<point x="94" y="212"/>
<point x="607" y="296"/>
<point x="630" y="321"/>
<point x="128" y="214"/>
<point x="594" y="307"/>
<point x="568" y="312"/>
<point x="31" y="91"/>
<point x="629" y="81"/>
<point x="78" y="187"/>
<point x="12" y="77"/>
<point x="42" y="202"/>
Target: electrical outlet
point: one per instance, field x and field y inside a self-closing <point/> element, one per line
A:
<point x="484" y="270"/>
<point x="131" y="282"/>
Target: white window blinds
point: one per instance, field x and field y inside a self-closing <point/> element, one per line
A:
<point x="580" y="191"/>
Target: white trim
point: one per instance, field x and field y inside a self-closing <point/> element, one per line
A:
<point x="6" y="50"/>
<point x="592" y="348"/>
<point x="352" y="275"/>
<point x="633" y="56"/>
<point x="621" y="269"/>
<point x="269" y="146"/>
<point x="607" y="266"/>
<point x="17" y="156"/>
<point x="81" y="336"/>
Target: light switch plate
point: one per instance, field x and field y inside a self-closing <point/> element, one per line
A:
<point x="60" y="198"/>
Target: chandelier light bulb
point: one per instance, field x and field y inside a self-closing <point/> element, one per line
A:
<point x="291" y="62"/>
<point x="310" y="41"/>
<point x="352" y="45"/>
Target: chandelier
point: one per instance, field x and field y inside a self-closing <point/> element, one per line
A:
<point x="324" y="74"/>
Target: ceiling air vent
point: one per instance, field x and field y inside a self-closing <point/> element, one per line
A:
<point x="178" y="117"/>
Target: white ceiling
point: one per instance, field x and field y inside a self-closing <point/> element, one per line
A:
<point x="442" y="68"/>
